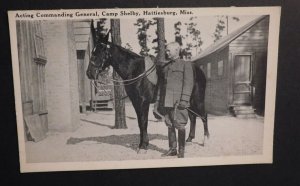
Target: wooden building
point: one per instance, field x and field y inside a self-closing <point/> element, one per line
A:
<point x="235" y="68"/>
<point x="32" y="62"/>
<point x="49" y="86"/>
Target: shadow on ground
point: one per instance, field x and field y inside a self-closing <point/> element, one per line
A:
<point x="126" y="140"/>
<point x="129" y="117"/>
<point x="97" y="123"/>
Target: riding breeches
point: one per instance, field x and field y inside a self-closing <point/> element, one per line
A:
<point x="176" y="118"/>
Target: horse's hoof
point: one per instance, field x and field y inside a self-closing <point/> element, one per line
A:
<point x="204" y="140"/>
<point x="141" y="151"/>
<point x="206" y="135"/>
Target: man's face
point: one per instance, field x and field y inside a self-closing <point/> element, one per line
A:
<point x="172" y="52"/>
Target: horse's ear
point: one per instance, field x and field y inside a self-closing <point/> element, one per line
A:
<point x="106" y="37"/>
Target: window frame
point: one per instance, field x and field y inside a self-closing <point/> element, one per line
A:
<point x="40" y="54"/>
<point x="208" y="70"/>
<point x="220" y="67"/>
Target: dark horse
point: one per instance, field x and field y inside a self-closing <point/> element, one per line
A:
<point x="129" y="66"/>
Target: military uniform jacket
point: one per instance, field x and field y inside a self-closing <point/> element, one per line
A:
<point x="175" y="83"/>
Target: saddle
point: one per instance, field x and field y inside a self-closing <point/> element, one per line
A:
<point x="149" y="62"/>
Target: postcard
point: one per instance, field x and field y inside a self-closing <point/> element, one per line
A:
<point x="100" y="89"/>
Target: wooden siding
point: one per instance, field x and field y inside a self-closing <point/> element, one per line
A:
<point x="219" y="90"/>
<point x="82" y="31"/>
<point x="255" y="39"/>
<point x="32" y="63"/>
<point x="216" y="94"/>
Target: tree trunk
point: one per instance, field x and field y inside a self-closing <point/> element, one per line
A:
<point x="161" y="39"/>
<point x="120" y="121"/>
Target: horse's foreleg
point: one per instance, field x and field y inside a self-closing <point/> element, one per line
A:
<point x="142" y="115"/>
<point x="192" y="127"/>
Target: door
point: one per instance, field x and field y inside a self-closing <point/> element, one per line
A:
<point x="242" y="91"/>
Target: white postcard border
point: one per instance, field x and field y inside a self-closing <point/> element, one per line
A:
<point x="266" y="157"/>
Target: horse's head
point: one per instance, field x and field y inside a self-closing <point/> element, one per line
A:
<point x="100" y="58"/>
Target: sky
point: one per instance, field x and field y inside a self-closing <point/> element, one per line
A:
<point x="206" y="25"/>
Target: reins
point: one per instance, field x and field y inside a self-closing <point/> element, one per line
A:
<point x="136" y="79"/>
<point x="190" y="110"/>
<point x="106" y="91"/>
<point x="133" y="80"/>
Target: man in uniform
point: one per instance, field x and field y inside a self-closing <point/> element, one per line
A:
<point x="175" y="88"/>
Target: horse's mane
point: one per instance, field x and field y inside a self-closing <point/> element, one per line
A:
<point x="133" y="54"/>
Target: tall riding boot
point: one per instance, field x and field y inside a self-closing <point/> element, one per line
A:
<point x="172" y="142"/>
<point x="181" y="142"/>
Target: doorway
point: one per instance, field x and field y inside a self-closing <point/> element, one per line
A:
<point x="242" y="90"/>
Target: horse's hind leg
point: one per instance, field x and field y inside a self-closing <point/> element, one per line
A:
<point x="192" y="127"/>
<point x="204" y="120"/>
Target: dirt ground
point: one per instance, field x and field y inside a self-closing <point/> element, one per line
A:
<point x="96" y="140"/>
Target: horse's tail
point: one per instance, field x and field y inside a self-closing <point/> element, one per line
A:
<point x="200" y="81"/>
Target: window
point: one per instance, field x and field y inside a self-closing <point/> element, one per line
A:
<point x="220" y="68"/>
<point x="208" y="70"/>
<point x="39" y="41"/>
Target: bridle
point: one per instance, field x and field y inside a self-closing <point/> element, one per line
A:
<point x="93" y="58"/>
<point x="103" y="65"/>
<point x="133" y="80"/>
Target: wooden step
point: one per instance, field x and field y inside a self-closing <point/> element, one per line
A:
<point x="246" y="116"/>
<point x="242" y="111"/>
<point x="101" y="105"/>
<point x="241" y="107"/>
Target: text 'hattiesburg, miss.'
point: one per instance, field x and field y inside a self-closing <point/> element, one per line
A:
<point x="103" y="13"/>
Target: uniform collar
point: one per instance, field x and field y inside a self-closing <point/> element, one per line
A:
<point x="170" y="62"/>
<point x="166" y="63"/>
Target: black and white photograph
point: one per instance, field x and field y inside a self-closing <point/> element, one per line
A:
<point x="144" y="88"/>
